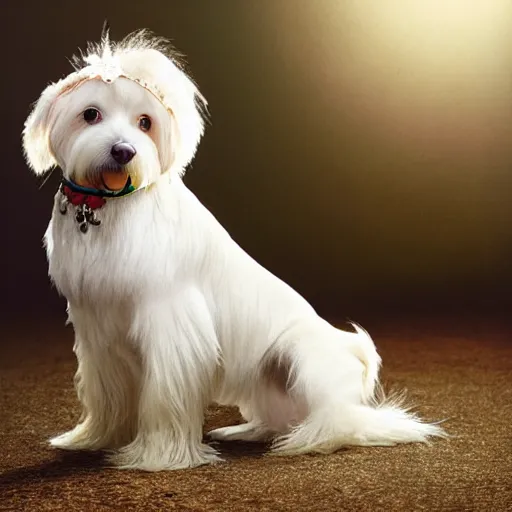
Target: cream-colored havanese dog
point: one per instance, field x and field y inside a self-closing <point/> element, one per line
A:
<point x="169" y="313"/>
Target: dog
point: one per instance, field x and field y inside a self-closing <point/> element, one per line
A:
<point x="169" y="313"/>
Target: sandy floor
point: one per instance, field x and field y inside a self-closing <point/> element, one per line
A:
<point x="464" y="374"/>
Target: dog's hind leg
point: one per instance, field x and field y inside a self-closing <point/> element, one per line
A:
<point x="271" y="410"/>
<point x="250" y="431"/>
<point x="254" y="429"/>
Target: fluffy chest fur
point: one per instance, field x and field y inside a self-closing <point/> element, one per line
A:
<point x="125" y="257"/>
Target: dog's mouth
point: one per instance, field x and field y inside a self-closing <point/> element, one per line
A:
<point x="109" y="179"/>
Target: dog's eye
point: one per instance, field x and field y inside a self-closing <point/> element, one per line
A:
<point x="92" y="115"/>
<point x="145" y="123"/>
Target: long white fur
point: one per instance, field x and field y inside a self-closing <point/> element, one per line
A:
<point x="170" y="314"/>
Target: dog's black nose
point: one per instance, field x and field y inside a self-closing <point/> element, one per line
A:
<point x="122" y="152"/>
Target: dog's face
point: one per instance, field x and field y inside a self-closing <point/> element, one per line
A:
<point x="128" y="109"/>
<point x="117" y="126"/>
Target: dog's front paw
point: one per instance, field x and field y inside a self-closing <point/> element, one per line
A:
<point x="245" y="432"/>
<point x="75" y="439"/>
<point x="150" y="457"/>
<point x="82" y="437"/>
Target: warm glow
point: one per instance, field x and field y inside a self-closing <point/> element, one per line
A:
<point x="418" y="70"/>
<point x="439" y="32"/>
<point x="411" y="101"/>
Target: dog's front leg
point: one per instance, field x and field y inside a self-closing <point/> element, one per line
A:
<point x="179" y="351"/>
<point x="107" y="384"/>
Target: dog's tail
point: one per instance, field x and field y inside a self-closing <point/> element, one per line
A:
<point x="364" y="349"/>
<point x="328" y="430"/>
<point x="376" y="420"/>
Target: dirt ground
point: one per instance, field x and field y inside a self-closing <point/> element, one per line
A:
<point x="462" y="373"/>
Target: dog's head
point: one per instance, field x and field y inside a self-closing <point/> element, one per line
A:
<point x="129" y="107"/>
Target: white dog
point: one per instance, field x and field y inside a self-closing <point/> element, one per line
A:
<point x="169" y="313"/>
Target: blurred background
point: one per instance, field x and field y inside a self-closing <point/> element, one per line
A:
<point x="360" y="150"/>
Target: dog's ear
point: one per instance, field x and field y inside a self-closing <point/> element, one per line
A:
<point x="188" y="116"/>
<point x="178" y="93"/>
<point x="36" y="141"/>
<point x="192" y="126"/>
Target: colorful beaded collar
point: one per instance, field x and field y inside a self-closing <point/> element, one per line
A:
<point x="86" y="200"/>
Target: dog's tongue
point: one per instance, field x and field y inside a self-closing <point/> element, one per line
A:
<point x="107" y="180"/>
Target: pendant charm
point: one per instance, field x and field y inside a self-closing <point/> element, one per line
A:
<point x="63" y="206"/>
<point x="84" y="214"/>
